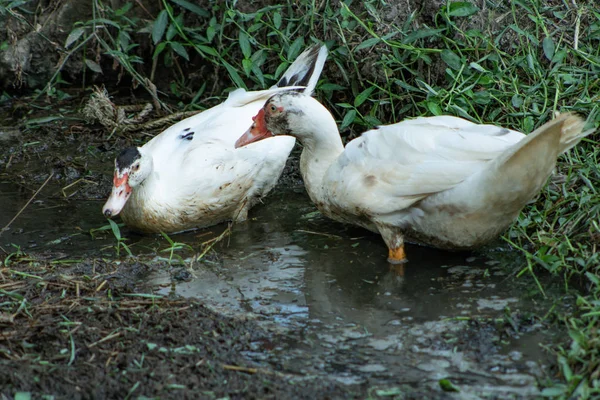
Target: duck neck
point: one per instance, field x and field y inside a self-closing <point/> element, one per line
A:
<point x="319" y="153"/>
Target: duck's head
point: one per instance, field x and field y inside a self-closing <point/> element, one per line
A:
<point x="132" y="167"/>
<point x="289" y="113"/>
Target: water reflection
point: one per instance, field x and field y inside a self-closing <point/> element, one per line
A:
<point x="287" y="257"/>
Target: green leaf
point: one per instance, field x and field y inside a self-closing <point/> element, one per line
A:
<point x="233" y="74"/>
<point x="102" y="21"/>
<point x="295" y="47"/>
<point x="245" y="44"/>
<point x="247" y="65"/>
<point x="328" y="87"/>
<point x="13" y="295"/>
<point x="517" y="101"/>
<point x="406" y="86"/>
<point x="73" y="36"/>
<point x="171" y="32"/>
<point x="461" y="9"/>
<point x="477" y="67"/>
<point x="115" y="229"/>
<point x="23" y="396"/>
<point x="280" y="69"/>
<point x="210" y="33"/>
<point x="486" y="80"/>
<point x="451" y="59"/>
<point x="448" y="386"/>
<point x="372" y="121"/>
<point x="525" y="33"/>
<point x="124" y="10"/>
<point x="160" y="25"/>
<point x="93" y="66"/>
<point x="348" y="119"/>
<point x="461" y="112"/>
<point x="179" y="49"/>
<point x="124" y="39"/>
<point x="192" y="7"/>
<point x="277" y="20"/>
<point x="259" y="57"/>
<point x="482" y="97"/>
<point x="566" y="369"/>
<point x="427" y="87"/>
<point x="255" y="27"/>
<point x="43" y="120"/>
<point x="205" y="49"/>
<point x="420" y="34"/>
<point x="548" y="46"/>
<point x="559" y="56"/>
<point x="159" y="49"/>
<point x="434" y="108"/>
<point x="367" y="43"/>
<point x="594" y="278"/>
<point x="363" y="96"/>
<point x="528" y="124"/>
<point x="258" y="73"/>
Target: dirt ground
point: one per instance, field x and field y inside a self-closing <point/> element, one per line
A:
<point x="76" y="338"/>
<point x="92" y="330"/>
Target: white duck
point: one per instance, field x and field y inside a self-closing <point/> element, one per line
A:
<point x="191" y="175"/>
<point x="441" y="181"/>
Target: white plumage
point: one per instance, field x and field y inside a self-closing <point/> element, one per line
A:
<point x="191" y="175"/>
<point x="441" y="181"/>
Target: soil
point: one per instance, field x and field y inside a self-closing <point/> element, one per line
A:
<point x="73" y="341"/>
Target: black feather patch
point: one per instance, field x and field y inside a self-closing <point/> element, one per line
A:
<point x="302" y="79"/>
<point x="502" y="132"/>
<point x="127" y="157"/>
<point x="187" y="136"/>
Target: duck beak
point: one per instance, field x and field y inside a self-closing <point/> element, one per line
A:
<point x="258" y="131"/>
<point x="118" y="197"/>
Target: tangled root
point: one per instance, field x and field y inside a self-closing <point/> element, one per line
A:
<point x="101" y="109"/>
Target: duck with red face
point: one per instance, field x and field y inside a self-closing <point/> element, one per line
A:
<point x="131" y="169"/>
<point x="192" y="176"/>
<point x="442" y="181"/>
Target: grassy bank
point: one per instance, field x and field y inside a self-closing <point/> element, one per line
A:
<point x="512" y="65"/>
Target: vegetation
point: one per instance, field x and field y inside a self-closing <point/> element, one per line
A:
<point x="508" y="63"/>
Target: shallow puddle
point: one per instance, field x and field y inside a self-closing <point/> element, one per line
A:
<point x="348" y="315"/>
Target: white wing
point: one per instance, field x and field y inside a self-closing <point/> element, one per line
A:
<point x="389" y="168"/>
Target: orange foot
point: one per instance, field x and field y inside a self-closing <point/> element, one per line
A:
<point x="397" y="255"/>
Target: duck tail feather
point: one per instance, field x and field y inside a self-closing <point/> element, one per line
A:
<point x="518" y="174"/>
<point x="306" y="70"/>
<point x="572" y="130"/>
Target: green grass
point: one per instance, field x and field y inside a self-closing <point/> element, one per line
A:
<point x="508" y="64"/>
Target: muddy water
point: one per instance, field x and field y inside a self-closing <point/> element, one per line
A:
<point x="346" y="313"/>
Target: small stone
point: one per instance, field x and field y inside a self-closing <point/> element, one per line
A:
<point x="372" y="368"/>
